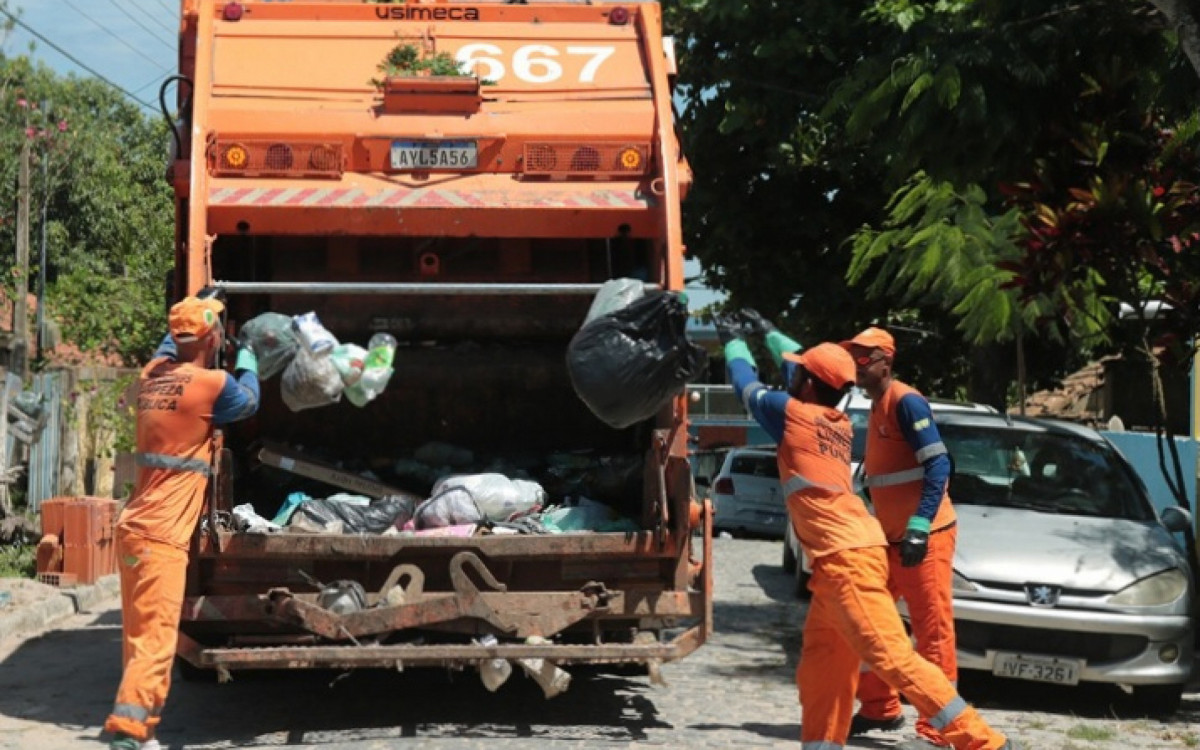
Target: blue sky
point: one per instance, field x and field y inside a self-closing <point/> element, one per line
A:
<point x="131" y="44"/>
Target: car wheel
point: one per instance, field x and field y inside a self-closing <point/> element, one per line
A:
<point x="1157" y="701"/>
<point x="789" y="558"/>
<point x="800" y="582"/>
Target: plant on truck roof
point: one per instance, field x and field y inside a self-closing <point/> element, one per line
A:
<point x="408" y="60"/>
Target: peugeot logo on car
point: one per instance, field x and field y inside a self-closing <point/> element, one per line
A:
<point x="1041" y="595"/>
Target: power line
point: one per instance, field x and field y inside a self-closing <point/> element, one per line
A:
<point x="109" y="31"/>
<point x="71" y="57"/>
<point x="173" y="13"/>
<point x="163" y="5"/>
<point x="142" y="26"/>
<point x="148" y="84"/>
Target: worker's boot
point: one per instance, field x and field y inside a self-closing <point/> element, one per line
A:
<point x="124" y="742"/>
<point x="861" y="724"/>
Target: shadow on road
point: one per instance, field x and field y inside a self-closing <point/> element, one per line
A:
<point x="68" y="679"/>
<point x="1086" y="701"/>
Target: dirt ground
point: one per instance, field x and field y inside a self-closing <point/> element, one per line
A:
<point x="21" y="592"/>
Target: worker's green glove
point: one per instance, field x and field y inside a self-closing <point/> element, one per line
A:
<point x="738" y="349"/>
<point x="246" y="360"/>
<point x="915" y="542"/>
<point x="779" y="343"/>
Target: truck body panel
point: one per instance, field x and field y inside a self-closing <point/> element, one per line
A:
<point x="473" y="217"/>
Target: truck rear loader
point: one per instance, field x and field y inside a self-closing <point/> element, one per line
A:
<point x="463" y="176"/>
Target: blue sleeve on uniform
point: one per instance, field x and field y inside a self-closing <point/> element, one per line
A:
<point x="788" y="368"/>
<point x="167" y="349"/>
<point x="921" y="432"/>
<point x="765" y="405"/>
<point x="238" y="399"/>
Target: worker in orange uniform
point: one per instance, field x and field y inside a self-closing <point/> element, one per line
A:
<point x="906" y="470"/>
<point x="180" y="398"/>
<point x="852" y="618"/>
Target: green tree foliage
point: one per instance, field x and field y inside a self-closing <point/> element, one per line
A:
<point x="777" y="189"/>
<point x="887" y="129"/>
<point x="109" y="234"/>
<point x="1056" y="87"/>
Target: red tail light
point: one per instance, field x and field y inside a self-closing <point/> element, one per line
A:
<point x="724" y="486"/>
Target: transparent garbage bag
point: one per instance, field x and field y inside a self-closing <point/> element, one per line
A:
<point x="309" y="382"/>
<point x="273" y="340"/>
<point x="614" y="294"/>
<point x="473" y="498"/>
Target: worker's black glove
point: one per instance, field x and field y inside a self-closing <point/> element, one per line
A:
<point x="212" y="292"/>
<point x="728" y="328"/>
<point x="915" y="542"/>
<point x="753" y="323"/>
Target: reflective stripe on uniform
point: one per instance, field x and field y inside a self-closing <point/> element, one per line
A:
<point x="172" y="463"/>
<point x="795" y="483"/>
<point x="929" y="451"/>
<point x="948" y="714"/>
<point x="898" y="477"/>
<point x="130" y="711"/>
<point x="821" y="745"/>
<point x="753" y="391"/>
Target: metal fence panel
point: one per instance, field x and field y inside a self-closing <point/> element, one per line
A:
<point x="44" y="453"/>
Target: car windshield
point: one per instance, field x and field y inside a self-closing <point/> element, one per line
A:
<point x="1047" y="472"/>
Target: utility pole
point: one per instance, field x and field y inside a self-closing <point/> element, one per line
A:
<point x="40" y="333"/>
<point x="20" y="350"/>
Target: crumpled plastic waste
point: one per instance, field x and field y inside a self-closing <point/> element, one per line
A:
<point x="587" y="515"/>
<point x="246" y="519"/>
<point x="549" y="677"/>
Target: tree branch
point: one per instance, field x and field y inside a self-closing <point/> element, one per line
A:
<point x="1181" y="14"/>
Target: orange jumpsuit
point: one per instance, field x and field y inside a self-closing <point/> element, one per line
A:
<point x="853" y="618"/>
<point x="895" y="477"/>
<point x="175" y="414"/>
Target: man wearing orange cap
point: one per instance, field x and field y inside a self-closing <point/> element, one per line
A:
<point x="906" y="472"/>
<point x="852" y="618"/>
<point x="180" y="398"/>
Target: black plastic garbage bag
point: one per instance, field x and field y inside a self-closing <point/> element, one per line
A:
<point x="627" y="364"/>
<point x="334" y="516"/>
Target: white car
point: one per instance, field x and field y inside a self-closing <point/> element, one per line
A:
<point x="747" y="496"/>
<point x="858" y="407"/>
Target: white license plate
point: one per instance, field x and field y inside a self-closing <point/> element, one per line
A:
<point x="415" y="155"/>
<point x="1037" y="668"/>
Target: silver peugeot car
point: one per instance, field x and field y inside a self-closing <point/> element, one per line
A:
<point x="1064" y="571"/>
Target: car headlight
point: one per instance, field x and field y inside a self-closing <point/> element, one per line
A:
<point x="959" y="583"/>
<point x="1161" y="588"/>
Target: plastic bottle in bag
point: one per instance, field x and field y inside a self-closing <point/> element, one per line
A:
<point x="381" y="349"/>
<point x="313" y="334"/>
<point x="377" y="370"/>
<point x="349" y="359"/>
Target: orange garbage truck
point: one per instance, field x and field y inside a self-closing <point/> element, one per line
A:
<point x="463" y="176"/>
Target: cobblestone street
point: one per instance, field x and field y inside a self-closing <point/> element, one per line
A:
<point x="736" y="691"/>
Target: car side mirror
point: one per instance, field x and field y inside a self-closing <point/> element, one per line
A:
<point x="1176" y="519"/>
